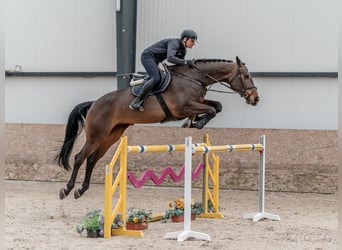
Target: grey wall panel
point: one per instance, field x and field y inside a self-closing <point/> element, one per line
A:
<point x="270" y="35"/>
<point x="47" y="35"/>
<point x="79" y="35"/>
<point x="50" y="100"/>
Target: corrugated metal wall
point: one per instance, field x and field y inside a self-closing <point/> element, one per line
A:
<point x="79" y="35"/>
<point x="64" y="35"/>
<point x="269" y="35"/>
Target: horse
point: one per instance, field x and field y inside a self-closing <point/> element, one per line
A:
<point x="106" y="119"/>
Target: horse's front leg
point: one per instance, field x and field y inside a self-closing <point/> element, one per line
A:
<point x="190" y="121"/>
<point x="217" y="105"/>
<point x="203" y="118"/>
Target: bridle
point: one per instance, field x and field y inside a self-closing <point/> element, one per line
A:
<point x="243" y="93"/>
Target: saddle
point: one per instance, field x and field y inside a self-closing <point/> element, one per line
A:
<point x="138" y="81"/>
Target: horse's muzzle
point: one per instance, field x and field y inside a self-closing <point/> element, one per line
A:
<point x="252" y="98"/>
<point x="256" y="100"/>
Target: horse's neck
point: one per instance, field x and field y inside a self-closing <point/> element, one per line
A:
<point x="216" y="71"/>
<point x="206" y="72"/>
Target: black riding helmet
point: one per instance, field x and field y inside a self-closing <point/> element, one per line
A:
<point x="190" y="34"/>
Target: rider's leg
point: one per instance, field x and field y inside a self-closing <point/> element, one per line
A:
<point x="152" y="70"/>
<point x="145" y="90"/>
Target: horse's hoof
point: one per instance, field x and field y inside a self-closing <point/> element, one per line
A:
<point x="62" y="194"/>
<point x="198" y="125"/>
<point x="141" y="109"/>
<point x="202" y="122"/>
<point x="77" y="194"/>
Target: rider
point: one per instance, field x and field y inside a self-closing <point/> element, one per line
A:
<point x="172" y="49"/>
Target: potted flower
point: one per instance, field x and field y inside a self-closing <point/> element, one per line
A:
<point x="137" y="219"/>
<point x="176" y="210"/>
<point x="93" y="223"/>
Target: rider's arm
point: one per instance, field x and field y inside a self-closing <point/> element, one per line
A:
<point x="175" y="54"/>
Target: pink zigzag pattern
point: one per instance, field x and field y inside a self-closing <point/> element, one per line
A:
<point x="159" y="180"/>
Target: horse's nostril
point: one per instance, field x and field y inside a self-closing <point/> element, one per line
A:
<point x="256" y="100"/>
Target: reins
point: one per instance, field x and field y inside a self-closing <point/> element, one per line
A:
<point x="208" y="87"/>
<point x="222" y="91"/>
<point x="188" y="78"/>
<point x="215" y="81"/>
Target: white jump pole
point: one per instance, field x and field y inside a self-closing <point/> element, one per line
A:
<point x="187" y="233"/>
<point x="261" y="213"/>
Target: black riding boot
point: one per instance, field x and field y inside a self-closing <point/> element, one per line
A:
<point x="137" y="102"/>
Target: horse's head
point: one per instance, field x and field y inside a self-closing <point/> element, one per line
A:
<point x="241" y="81"/>
<point x="209" y="71"/>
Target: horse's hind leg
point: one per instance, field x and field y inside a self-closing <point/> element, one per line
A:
<point x="79" y="159"/>
<point x="98" y="154"/>
<point x="91" y="161"/>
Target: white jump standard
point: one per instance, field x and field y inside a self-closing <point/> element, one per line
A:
<point x="261" y="214"/>
<point x="187" y="233"/>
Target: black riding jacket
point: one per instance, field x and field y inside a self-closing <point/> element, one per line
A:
<point x="171" y="49"/>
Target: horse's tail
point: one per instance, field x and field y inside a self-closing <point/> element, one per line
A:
<point x="73" y="129"/>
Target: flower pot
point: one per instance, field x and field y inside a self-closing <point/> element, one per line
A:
<point x="135" y="226"/>
<point x="91" y="234"/>
<point x="180" y="218"/>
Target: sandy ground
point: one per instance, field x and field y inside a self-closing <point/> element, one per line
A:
<point x="37" y="219"/>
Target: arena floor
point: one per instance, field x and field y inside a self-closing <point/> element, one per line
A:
<point x="37" y="219"/>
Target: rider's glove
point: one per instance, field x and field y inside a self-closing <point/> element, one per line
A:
<point x="191" y="63"/>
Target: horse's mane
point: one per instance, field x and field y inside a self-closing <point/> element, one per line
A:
<point x="196" y="61"/>
<point x="204" y="60"/>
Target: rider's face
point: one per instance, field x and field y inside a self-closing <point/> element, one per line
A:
<point x="189" y="42"/>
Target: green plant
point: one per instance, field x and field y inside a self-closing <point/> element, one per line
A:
<point x="177" y="208"/>
<point x="92" y="221"/>
<point x="139" y="215"/>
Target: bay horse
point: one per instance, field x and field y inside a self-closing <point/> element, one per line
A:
<point x="106" y="119"/>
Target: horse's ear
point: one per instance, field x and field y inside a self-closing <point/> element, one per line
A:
<point x="238" y="61"/>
